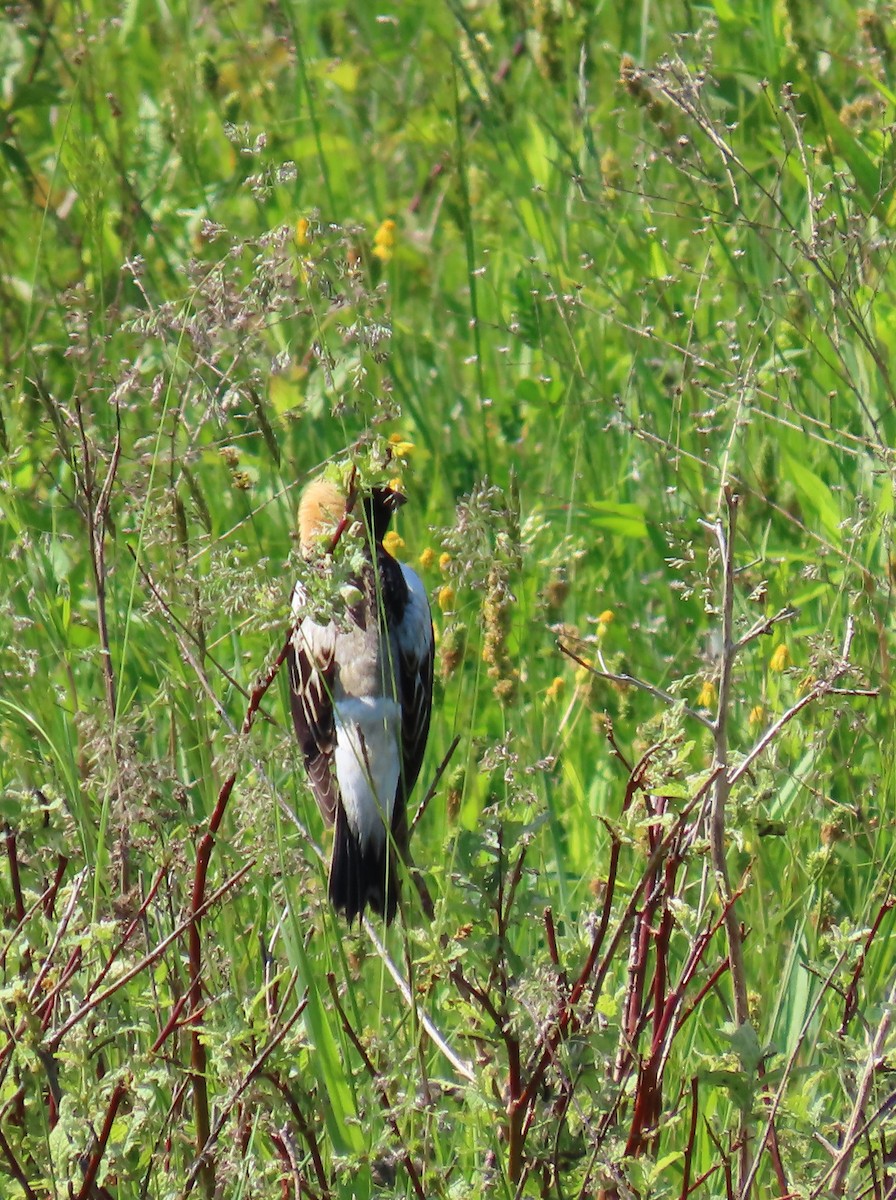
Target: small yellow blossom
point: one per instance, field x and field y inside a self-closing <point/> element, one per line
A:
<point x="393" y="542"/>
<point x="604" y="621"/>
<point x="400" y="446"/>
<point x="444" y="561"/>
<point x="555" y="688"/>
<point x="708" y="695"/>
<point x="780" y="658"/>
<point x="446" y="598"/>
<point x="303" y="229"/>
<point x="757" y="713"/>
<point x="394" y="484"/>
<point x="384" y="241"/>
<point x="427" y="558"/>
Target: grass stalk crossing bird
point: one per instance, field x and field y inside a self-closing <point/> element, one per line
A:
<point x="361" y="695"/>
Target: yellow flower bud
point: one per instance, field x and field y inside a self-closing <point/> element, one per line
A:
<point x="708" y="694"/>
<point x="444" y="561"/>
<point x="427" y="558"/>
<point x="757" y="713"/>
<point x="780" y="658"/>
<point x="392" y="542"/>
<point x="446" y="598"/>
<point x="303" y="230"/>
<point x="400" y="446"/>
<point x="384" y="241"/>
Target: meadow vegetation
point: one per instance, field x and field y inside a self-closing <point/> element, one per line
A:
<point x="610" y="288"/>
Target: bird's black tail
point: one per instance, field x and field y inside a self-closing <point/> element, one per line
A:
<point x="362" y="874"/>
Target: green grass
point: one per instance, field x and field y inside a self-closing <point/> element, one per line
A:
<point x="635" y="317"/>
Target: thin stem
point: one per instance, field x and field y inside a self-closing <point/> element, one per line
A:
<point x="721" y="792"/>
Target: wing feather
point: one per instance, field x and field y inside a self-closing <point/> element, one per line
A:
<point x="311" y="664"/>
<point x="416" y="653"/>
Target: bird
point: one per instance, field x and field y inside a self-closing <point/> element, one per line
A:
<point x="361" y="699"/>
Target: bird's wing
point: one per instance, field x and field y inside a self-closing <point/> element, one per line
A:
<point x="416" y="651"/>
<point x="311" y="664"/>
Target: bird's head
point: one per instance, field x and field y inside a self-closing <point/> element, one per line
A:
<point x="323" y="506"/>
<point x="379" y="506"/>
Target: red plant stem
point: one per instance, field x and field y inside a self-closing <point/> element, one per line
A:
<point x="141" y="966"/>
<point x="14" y="879"/>
<point x="694" y="960"/>
<point x="97" y="1157"/>
<point x="648" y="1092"/>
<point x="635" y="782"/>
<point x="15" y="1169"/>
<point x="663" y="939"/>
<point x="689" y="1148"/>
<point x="772" y="1142"/>
<point x="851" y="1000"/>
<point x="45" y="1008"/>
<point x="641" y="938"/>
<point x="198" y="1060"/>
<point x="567" y="1016"/>
<point x="51" y="893"/>
<point x="304" y="1128"/>
<point x="706" y="987"/>
<point x="174" y="1022"/>
<point x="551" y="935"/>
<point x="29" y="913"/>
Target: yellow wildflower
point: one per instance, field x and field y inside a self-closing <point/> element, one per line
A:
<point x="780" y="658"/>
<point x="604" y="621"/>
<point x="555" y="688"/>
<point x="392" y="542"/>
<point x="757" y="713"/>
<point x="384" y="241"/>
<point x="444" y="561"/>
<point x="303" y="230"/>
<point x="446" y="598"/>
<point x="400" y="446"/>
<point x="708" y="694"/>
<point x="427" y="558"/>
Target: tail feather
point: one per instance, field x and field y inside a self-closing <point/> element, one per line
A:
<point x="362" y="874"/>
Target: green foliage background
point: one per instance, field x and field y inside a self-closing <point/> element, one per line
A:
<point x="593" y="268"/>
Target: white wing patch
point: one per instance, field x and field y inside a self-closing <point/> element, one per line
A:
<point x="415" y="637"/>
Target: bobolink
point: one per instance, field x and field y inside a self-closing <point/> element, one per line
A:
<point x="361" y="694"/>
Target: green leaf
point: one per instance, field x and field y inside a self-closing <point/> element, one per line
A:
<point x="867" y="175"/>
<point x="815" y="496"/>
<point x="625" y="520"/>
